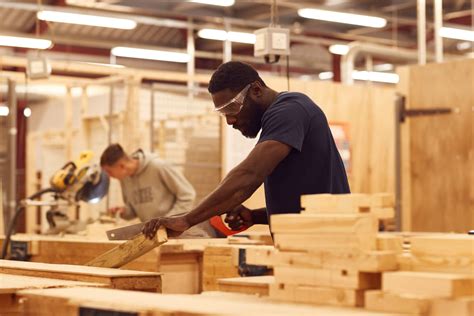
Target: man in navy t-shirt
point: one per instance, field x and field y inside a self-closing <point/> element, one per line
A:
<point x="295" y="154"/>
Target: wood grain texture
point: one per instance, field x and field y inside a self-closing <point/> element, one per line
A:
<point x="121" y="279"/>
<point x="12" y="283"/>
<point x="258" y="285"/>
<point x="438" y="172"/>
<point x="427" y="284"/>
<point x="129" y="250"/>
<point x="215" y="304"/>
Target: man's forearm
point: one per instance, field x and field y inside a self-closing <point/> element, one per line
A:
<point x="238" y="186"/>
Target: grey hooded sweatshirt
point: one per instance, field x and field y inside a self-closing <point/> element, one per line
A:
<point x="156" y="190"/>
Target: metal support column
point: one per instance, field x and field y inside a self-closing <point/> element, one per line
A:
<point x="12" y="148"/>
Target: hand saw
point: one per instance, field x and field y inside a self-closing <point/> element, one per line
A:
<point x="125" y="233"/>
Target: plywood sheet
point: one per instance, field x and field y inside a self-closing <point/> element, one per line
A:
<point x="438" y="172"/>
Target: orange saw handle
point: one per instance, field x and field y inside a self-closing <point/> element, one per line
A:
<point x="218" y="224"/>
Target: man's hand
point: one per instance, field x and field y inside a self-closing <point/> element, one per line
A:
<point x="238" y="218"/>
<point x="175" y="226"/>
<point x="113" y="211"/>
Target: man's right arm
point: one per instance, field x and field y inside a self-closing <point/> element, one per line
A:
<point x="236" y="187"/>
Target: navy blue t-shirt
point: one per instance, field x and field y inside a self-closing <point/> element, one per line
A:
<point x="313" y="165"/>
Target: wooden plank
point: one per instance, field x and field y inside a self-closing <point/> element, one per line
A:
<point x="394" y="303"/>
<point x="12" y="283"/>
<point x="463" y="306"/>
<point x="316" y="295"/>
<point x="324" y="223"/>
<point x="334" y="242"/>
<point x="67" y="302"/>
<point x="428" y="284"/>
<point x="258" y="285"/>
<point x="130" y="250"/>
<point x="372" y="261"/>
<point x="343" y="278"/>
<point x="338" y="203"/>
<point x="120" y="279"/>
<point x="390" y="242"/>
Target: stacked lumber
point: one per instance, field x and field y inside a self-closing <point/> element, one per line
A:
<point x="380" y="204"/>
<point x="325" y="258"/>
<point x="114" y="278"/>
<point x="254" y="285"/>
<point x="227" y="261"/>
<point x="451" y="253"/>
<point x="440" y="280"/>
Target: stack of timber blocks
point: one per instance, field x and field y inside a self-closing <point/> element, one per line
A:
<point x="328" y="254"/>
<point x="438" y="278"/>
<point x="228" y="261"/>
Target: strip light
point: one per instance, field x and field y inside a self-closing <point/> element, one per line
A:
<point x="221" y="3"/>
<point x="25" y="42"/>
<point x="455" y="33"/>
<point x="375" y="76"/>
<point x="384" y="77"/>
<point x="85" y="19"/>
<point x="340" y="17"/>
<point x="141" y="53"/>
<point x="339" y="49"/>
<point x="221" y="35"/>
<point x="4" y="110"/>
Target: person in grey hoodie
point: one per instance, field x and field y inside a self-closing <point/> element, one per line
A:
<point x="150" y="188"/>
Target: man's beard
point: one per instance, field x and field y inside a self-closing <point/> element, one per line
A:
<point x="255" y="123"/>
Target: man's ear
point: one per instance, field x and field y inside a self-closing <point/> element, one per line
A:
<point x="257" y="89"/>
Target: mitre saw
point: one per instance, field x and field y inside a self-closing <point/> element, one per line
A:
<point x="76" y="181"/>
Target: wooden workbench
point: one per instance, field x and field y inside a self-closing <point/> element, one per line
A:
<point x="72" y="300"/>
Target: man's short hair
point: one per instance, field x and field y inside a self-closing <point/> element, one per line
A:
<point x="112" y="154"/>
<point x="233" y="75"/>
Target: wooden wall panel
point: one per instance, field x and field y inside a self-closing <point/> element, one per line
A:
<point x="439" y="167"/>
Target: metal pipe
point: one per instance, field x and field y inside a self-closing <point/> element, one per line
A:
<point x="348" y="60"/>
<point x="227" y="44"/>
<point x="152" y="119"/>
<point x="191" y="63"/>
<point x="438" y="19"/>
<point x="12" y="148"/>
<point x="421" y="15"/>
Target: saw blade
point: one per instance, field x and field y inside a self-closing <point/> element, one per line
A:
<point x="125" y="233"/>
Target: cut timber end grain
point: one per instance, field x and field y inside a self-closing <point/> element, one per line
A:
<point x="428" y="284"/>
<point x="324" y="223"/>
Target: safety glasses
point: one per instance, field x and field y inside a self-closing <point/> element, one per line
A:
<point x="235" y="105"/>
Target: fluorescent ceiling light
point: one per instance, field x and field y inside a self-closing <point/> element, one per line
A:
<point x="221" y="3"/>
<point x="4" y="110"/>
<point x="326" y="75"/>
<point x="27" y="112"/>
<point x="383" y="67"/>
<point x="384" y="77"/>
<point x="150" y="54"/>
<point x="221" y="35"/>
<point x="85" y="19"/>
<point x="25" y="42"/>
<point x="339" y="49"/>
<point x="340" y="17"/>
<point x="455" y="33"/>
